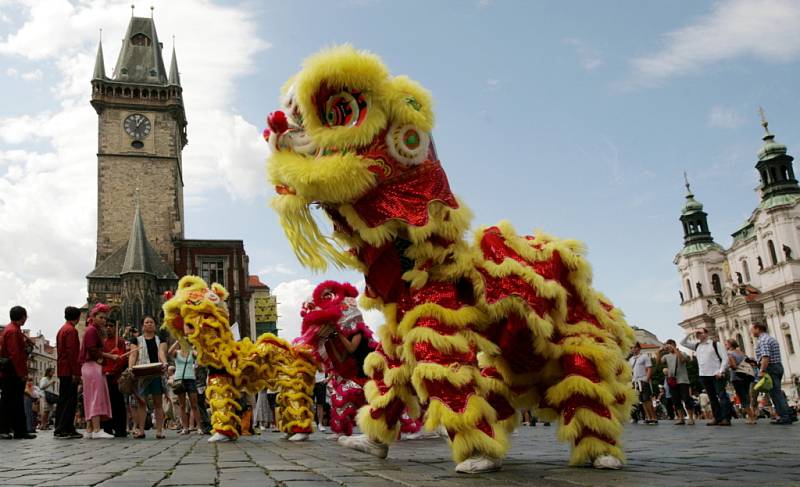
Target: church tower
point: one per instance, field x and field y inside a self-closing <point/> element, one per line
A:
<point x="701" y="265"/>
<point x="141" y="134"/>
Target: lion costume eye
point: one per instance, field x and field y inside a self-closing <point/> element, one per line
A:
<point x="345" y="109"/>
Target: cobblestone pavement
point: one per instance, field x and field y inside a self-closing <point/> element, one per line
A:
<point x="662" y="455"/>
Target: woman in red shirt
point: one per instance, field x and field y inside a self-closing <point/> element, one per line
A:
<point x="96" y="402"/>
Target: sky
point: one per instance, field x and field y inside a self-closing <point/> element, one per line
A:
<point x="576" y="117"/>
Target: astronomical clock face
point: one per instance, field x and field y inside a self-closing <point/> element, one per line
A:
<point x="137" y="126"/>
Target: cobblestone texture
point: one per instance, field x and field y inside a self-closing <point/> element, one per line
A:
<point x="663" y="455"/>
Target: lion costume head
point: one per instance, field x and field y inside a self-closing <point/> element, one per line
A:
<point x="356" y="141"/>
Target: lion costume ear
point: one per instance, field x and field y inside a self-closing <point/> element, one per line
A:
<point x="410" y="103"/>
<point x="219" y="291"/>
<point x="342" y="80"/>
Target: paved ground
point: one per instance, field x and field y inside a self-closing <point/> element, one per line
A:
<point x="662" y="455"/>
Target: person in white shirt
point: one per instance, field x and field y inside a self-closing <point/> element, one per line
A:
<point x="642" y="368"/>
<point x="713" y="370"/>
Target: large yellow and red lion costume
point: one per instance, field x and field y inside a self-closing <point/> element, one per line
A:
<point x="474" y="330"/>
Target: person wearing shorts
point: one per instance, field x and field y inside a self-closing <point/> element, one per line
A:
<point x="184" y="375"/>
<point x="320" y="399"/>
<point x="642" y="368"/>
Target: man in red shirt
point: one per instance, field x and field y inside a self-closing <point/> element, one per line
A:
<point x="14" y="358"/>
<point x="69" y="374"/>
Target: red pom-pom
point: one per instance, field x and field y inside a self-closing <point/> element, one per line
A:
<point x="277" y="122"/>
<point x="168" y="295"/>
<point x="266" y="134"/>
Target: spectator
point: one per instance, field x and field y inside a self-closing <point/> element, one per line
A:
<point x="184" y="386"/>
<point x="69" y="375"/>
<point x="642" y="372"/>
<point x="768" y="357"/>
<point x="14" y="350"/>
<point x="96" y="401"/>
<point x="675" y="362"/>
<point x="47" y="391"/>
<point x="320" y="385"/>
<point x="742" y="376"/>
<point x="713" y="374"/>
<point x="31" y="395"/>
<point x="113" y="344"/>
<point x="149" y="350"/>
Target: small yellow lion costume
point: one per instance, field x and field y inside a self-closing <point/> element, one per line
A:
<point x="198" y="314"/>
<point x="476" y="331"/>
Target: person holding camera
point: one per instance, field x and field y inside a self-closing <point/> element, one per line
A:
<point x="677" y="381"/>
<point x="642" y="368"/>
<point x="712" y="363"/>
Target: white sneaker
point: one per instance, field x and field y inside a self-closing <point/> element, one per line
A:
<point x="101" y="435"/>
<point x="298" y="437"/>
<point x="479" y="464"/>
<point x="607" y="462"/>
<point x="219" y="437"/>
<point x="364" y="444"/>
<point x="320" y="428"/>
<point x="419" y="435"/>
<point x="88" y="435"/>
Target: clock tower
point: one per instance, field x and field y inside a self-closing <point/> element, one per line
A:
<point x="141" y="134"/>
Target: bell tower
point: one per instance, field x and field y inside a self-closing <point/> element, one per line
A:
<point x="141" y="135"/>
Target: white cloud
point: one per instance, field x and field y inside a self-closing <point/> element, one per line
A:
<point x="47" y="175"/>
<point x="485" y="3"/>
<point x="589" y="56"/>
<point x="724" y="117"/>
<point x="270" y="271"/>
<point x="492" y="84"/>
<point x="766" y="30"/>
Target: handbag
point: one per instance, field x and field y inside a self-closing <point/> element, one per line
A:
<point x="672" y="381"/>
<point x="764" y="384"/>
<point x="744" y="368"/>
<point x="178" y="386"/>
<point x="127" y="382"/>
<point x="51" y="397"/>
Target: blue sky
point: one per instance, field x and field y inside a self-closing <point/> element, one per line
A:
<point x="577" y="118"/>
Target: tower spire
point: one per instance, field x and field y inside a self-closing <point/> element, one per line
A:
<point x="174" y="74"/>
<point x="99" y="64"/>
<point x="694" y="219"/>
<point x="774" y="165"/>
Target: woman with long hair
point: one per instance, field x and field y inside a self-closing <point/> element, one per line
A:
<point x="149" y="350"/>
<point x="96" y="401"/>
<point x="742" y="375"/>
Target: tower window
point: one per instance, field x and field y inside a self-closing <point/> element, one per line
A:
<point x="789" y="344"/>
<point x="140" y="40"/>
<point x="772" y="255"/>
<point x="137" y="144"/>
<point x="772" y="176"/>
<point x="746" y="270"/>
<point x="689" y="288"/>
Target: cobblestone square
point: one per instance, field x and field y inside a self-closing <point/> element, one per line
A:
<point x="662" y="455"/>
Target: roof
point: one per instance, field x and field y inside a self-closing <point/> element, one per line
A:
<point x="255" y="283"/>
<point x="136" y="256"/>
<point x="99" y="64"/>
<point x="140" y="57"/>
<point x="174" y="75"/>
<point x="699" y="247"/>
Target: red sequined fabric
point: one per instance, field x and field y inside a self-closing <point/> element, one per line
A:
<point x="425" y="352"/>
<point x="406" y="196"/>
<point x="574" y="364"/>
<point x="452" y="396"/>
<point x="498" y="288"/>
<point x="571" y="405"/>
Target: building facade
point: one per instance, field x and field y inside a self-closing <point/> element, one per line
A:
<point x="263" y="309"/>
<point x="756" y="279"/>
<point x="141" y="247"/>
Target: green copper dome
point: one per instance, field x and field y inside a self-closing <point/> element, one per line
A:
<point x="691" y="205"/>
<point x="770" y="148"/>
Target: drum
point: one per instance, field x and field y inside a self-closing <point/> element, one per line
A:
<point x="147" y="370"/>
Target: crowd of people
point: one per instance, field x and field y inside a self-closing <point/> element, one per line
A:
<point x="728" y="382"/>
<point x="86" y="389"/>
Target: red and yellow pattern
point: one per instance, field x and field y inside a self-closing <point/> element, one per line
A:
<point x="472" y="331"/>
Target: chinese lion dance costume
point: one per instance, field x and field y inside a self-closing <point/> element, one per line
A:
<point x="332" y="313"/>
<point x="197" y="313"/>
<point x="475" y="331"/>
